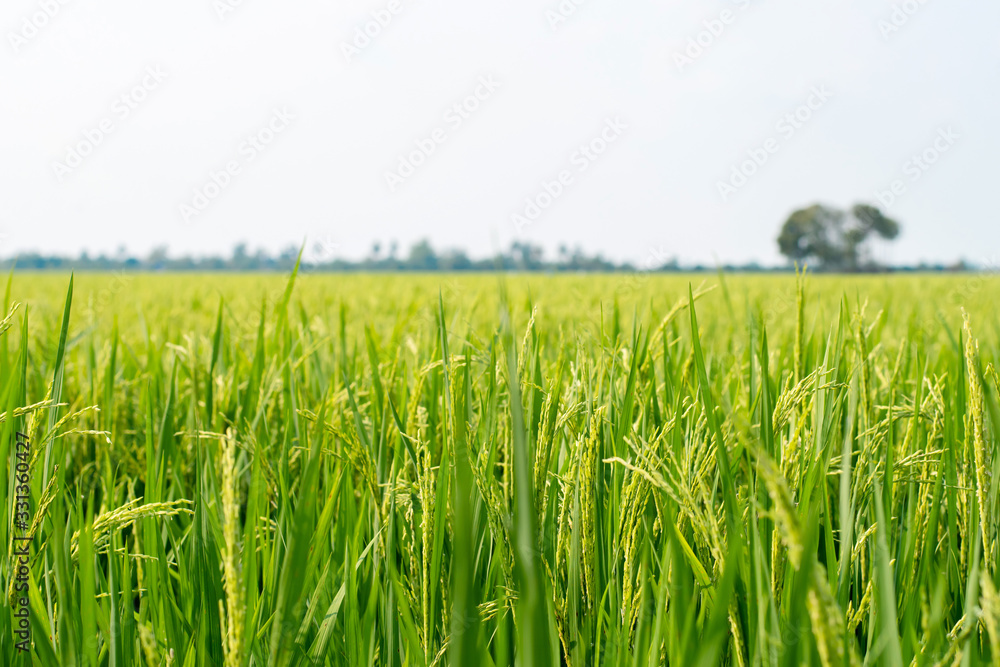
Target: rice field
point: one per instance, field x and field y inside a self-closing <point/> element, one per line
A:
<point x="531" y="470"/>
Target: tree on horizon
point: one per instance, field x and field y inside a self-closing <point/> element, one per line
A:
<point x="838" y="240"/>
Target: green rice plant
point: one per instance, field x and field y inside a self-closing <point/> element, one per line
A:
<point x="424" y="471"/>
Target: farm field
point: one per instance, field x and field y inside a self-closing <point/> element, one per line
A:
<point x="532" y="470"/>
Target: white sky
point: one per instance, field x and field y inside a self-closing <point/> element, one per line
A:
<point x="653" y="193"/>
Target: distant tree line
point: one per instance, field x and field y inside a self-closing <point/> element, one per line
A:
<point x="422" y="257"/>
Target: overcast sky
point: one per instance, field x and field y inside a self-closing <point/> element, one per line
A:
<point x="615" y="126"/>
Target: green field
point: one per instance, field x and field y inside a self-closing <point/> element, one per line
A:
<point x="478" y="470"/>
